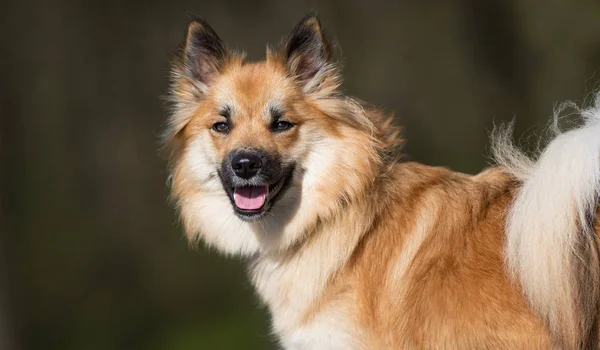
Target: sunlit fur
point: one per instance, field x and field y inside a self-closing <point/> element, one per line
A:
<point x="551" y="244"/>
<point x="365" y="251"/>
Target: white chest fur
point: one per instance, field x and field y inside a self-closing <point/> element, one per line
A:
<point x="293" y="287"/>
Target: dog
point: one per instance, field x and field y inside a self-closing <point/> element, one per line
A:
<point x="350" y="246"/>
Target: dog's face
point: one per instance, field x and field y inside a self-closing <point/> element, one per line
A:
<point x="262" y="149"/>
<point x="253" y="129"/>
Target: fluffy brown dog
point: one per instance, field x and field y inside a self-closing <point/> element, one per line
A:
<point x="352" y="248"/>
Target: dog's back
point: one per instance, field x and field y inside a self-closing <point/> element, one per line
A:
<point x="430" y="273"/>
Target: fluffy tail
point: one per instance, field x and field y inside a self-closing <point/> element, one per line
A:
<point x="551" y="245"/>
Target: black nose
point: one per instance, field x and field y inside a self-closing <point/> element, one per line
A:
<point x="246" y="165"/>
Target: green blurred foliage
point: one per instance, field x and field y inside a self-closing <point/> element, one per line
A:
<point x="91" y="255"/>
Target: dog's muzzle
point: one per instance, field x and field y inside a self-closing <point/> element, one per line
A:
<point x="253" y="180"/>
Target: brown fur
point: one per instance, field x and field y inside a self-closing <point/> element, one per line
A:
<point x="411" y="256"/>
<point x="454" y="293"/>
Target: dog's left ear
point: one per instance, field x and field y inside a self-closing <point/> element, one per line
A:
<point x="307" y="53"/>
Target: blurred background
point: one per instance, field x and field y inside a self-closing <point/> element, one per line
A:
<point x="91" y="254"/>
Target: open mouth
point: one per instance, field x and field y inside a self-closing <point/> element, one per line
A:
<point x="250" y="197"/>
<point x="251" y="202"/>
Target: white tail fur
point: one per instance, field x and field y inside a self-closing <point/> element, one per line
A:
<point x="551" y="245"/>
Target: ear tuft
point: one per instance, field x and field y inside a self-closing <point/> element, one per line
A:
<point x="204" y="52"/>
<point x="307" y="53"/>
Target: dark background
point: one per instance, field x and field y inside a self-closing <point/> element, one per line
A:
<point x="91" y="255"/>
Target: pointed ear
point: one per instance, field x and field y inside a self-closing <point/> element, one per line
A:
<point x="306" y="51"/>
<point x="204" y="52"/>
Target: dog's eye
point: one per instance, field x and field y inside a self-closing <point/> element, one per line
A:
<point x="281" y="126"/>
<point x="221" y="127"/>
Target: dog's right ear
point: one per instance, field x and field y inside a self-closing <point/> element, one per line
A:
<point x="204" y="52"/>
<point x="196" y="66"/>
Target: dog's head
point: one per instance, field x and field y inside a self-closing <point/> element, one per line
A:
<point x="261" y="150"/>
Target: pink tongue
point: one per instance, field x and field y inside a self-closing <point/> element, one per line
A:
<point x="250" y="198"/>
